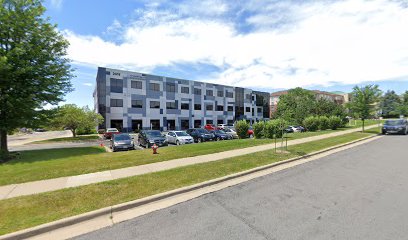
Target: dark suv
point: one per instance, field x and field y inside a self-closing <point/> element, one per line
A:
<point x="395" y="126"/>
<point x="200" y="135"/>
<point x="221" y="135"/>
<point x="149" y="137"/>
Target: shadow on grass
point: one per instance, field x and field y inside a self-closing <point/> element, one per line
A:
<point x="32" y="156"/>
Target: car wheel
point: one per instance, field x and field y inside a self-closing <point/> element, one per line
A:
<point x="384" y="132"/>
<point x="113" y="150"/>
<point x="177" y="142"/>
<point x="199" y="140"/>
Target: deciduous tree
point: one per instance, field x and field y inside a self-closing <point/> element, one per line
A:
<point x="33" y="68"/>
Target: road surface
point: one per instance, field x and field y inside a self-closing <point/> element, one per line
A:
<point x="360" y="193"/>
<point x="21" y="139"/>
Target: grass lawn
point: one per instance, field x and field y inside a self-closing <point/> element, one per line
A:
<point x="53" y="163"/>
<point x="28" y="211"/>
<point x="69" y="139"/>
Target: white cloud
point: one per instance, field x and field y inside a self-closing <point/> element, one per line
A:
<point x="344" y="42"/>
<point x="56" y="4"/>
<point x="87" y="84"/>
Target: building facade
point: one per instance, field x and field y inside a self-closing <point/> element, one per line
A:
<point x="132" y="101"/>
<point x="336" y="98"/>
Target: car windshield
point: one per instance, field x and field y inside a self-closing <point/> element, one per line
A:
<point x="394" y="122"/>
<point x="113" y="130"/>
<point x="122" y="137"/>
<point x="202" y="130"/>
<point x="153" y="134"/>
<point x="181" y="134"/>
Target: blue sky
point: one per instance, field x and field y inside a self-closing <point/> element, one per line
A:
<point x="265" y="45"/>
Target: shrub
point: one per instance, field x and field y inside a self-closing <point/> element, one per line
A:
<point x="242" y="127"/>
<point x="280" y="126"/>
<point x="258" y="129"/>
<point x="311" y="123"/>
<point x="323" y="122"/>
<point x="334" y="122"/>
<point x="269" y="129"/>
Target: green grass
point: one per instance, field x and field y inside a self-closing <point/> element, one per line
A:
<point x="28" y="211"/>
<point x="69" y="139"/>
<point x="53" y="163"/>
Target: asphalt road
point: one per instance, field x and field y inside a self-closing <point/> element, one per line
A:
<point x="360" y="193"/>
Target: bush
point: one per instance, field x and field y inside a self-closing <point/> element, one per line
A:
<point x="84" y="131"/>
<point x="334" y="122"/>
<point x="258" y="129"/>
<point x="242" y="127"/>
<point x="311" y="123"/>
<point x="323" y="122"/>
<point x="269" y="129"/>
<point x="280" y="126"/>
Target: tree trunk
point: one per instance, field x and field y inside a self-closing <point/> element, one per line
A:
<point x="73" y="130"/>
<point x="363" y="123"/>
<point x="4" y="153"/>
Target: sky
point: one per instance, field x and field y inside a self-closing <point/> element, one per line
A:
<point x="266" y="45"/>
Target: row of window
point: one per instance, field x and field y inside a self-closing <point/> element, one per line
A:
<point x="117" y="87"/>
<point x="169" y="105"/>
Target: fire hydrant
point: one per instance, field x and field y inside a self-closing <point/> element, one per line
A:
<point x="155" y="147"/>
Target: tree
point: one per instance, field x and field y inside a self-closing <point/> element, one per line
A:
<point x="364" y="101"/>
<point x="325" y="107"/>
<point x="73" y="117"/>
<point x="390" y="104"/>
<point x="33" y="68"/>
<point x="295" y="106"/>
<point x="403" y="108"/>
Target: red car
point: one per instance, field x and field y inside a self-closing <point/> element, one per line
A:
<point x="109" y="132"/>
<point x="250" y="132"/>
<point x="210" y="127"/>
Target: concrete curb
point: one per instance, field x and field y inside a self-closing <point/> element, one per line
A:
<point x="108" y="211"/>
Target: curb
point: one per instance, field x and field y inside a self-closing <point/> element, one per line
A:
<point x="108" y="211"/>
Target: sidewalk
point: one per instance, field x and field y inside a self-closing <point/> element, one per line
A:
<point x="15" y="190"/>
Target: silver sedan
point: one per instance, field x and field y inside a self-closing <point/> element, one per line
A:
<point x="179" y="137"/>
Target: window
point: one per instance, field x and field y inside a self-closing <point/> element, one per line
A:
<point x="185" y="90"/>
<point x="247" y="109"/>
<point x="209" y="107"/>
<point x="185" y="106"/>
<point x="170" y="87"/>
<point x="197" y="91"/>
<point x="197" y="106"/>
<point x="116" y="85"/>
<point x="137" y="104"/>
<point x="116" y="102"/>
<point x="220" y="108"/>
<point x="230" y="108"/>
<point x="209" y="122"/>
<point x="229" y="94"/>
<point x="136" y="84"/>
<point x="248" y="96"/>
<point x="259" y="110"/>
<point x="154" y="86"/>
<point x="171" y="105"/>
<point x="154" y="104"/>
<point x="209" y="92"/>
<point x="220" y="94"/>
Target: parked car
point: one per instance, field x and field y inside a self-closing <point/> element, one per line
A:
<point x="149" y="137"/>
<point x="109" y="132"/>
<point x="39" y="130"/>
<point x="395" y="126"/>
<point x="250" y="132"/>
<point x="200" y="135"/>
<point x="179" y="137"/>
<point x="122" y="141"/>
<point x="300" y="129"/>
<point x="221" y="126"/>
<point x="291" y="129"/>
<point x="209" y="127"/>
<point x="231" y="132"/>
<point x="220" y="135"/>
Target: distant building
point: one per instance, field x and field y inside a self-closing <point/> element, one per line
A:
<point x="132" y="101"/>
<point x="339" y="98"/>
